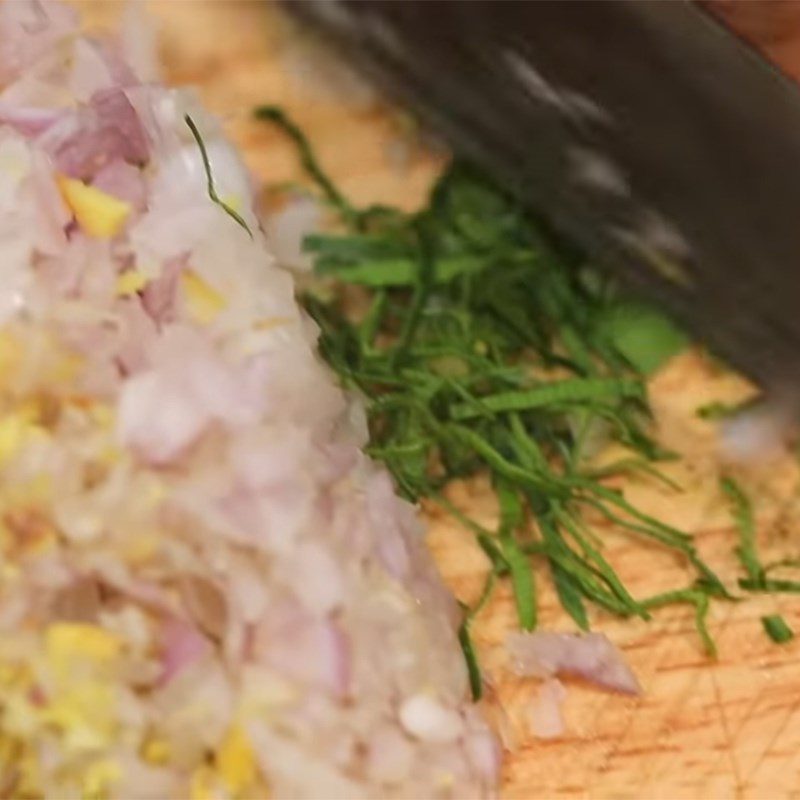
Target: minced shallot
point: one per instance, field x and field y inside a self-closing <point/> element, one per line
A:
<point x="207" y="590"/>
<point x="590" y="656"/>
<point x="546" y="719"/>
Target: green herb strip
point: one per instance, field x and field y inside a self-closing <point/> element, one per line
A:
<point x="743" y="515"/>
<point x="212" y="191"/>
<point x="770" y="585"/>
<point x="777" y="629"/>
<point x="757" y="579"/>
<point x="471" y="658"/>
<point x="519" y="565"/>
<point x="719" y="411"/>
<point x="700" y="601"/>
<point x="575" y="391"/>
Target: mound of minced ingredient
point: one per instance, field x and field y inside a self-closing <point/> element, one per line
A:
<point x="206" y="589"/>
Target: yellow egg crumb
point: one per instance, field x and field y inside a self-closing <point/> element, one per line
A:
<point x="37" y="491"/>
<point x="68" y="642"/>
<point x="8" y="673"/>
<point x="103" y="415"/>
<point x="85" y="715"/>
<point x="202" y="784"/>
<point x="268" y="323"/>
<point x="100" y="776"/>
<point x="236" y="761"/>
<point x="15" y="159"/>
<point x="156" y="751"/>
<point x="203" y="302"/>
<point x="263" y="692"/>
<point x="16" y="430"/>
<point x="110" y="455"/>
<point x="19" y="716"/>
<point x="140" y="549"/>
<point x="99" y="214"/>
<point x="154" y="493"/>
<point x="130" y="282"/>
<point x="445" y="780"/>
<point x="64" y="369"/>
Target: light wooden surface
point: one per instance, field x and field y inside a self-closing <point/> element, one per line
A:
<point x="702" y="729"/>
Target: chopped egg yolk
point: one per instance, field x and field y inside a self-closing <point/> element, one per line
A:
<point x="100" y="776"/>
<point x="203" y="302"/>
<point x="16" y="430"/>
<point x="202" y="785"/>
<point x="71" y="643"/>
<point x="99" y="214"/>
<point x="156" y="751"/>
<point x="236" y="761"/>
<point x="82" y="658"/>
<point x="130" y="282"/>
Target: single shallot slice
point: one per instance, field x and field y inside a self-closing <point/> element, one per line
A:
<point x="591" y="656"/>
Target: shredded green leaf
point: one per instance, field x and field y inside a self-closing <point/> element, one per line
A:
<point x="777" y="629"/>
<point x="464" y="637"/>
<point x="519" y="565"/>
<point x="700" y="600"/>
<point x="473" y="667"/>
<point x="747" y="550"/>
<point x="717" y="410"/>
<point x="770" y="585"/>
<point x="212" y="191"/>
<point x="472" y="306"/>
<point x="757" y="579"/>
<point x="645" y="337"/>
<point x="573" y="391"/>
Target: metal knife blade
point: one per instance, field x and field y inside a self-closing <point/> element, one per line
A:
<point x="644" y="130"/>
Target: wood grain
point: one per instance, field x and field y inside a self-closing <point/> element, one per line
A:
<point x="702" y="729"/>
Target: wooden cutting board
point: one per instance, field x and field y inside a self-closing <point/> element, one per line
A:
<point x="703" y="728"/>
